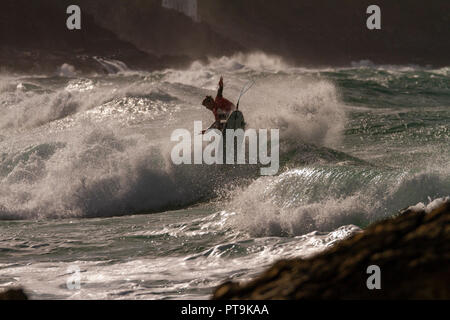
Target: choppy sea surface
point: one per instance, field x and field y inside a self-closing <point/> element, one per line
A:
<point x="87" y="183"/>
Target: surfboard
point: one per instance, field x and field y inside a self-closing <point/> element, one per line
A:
<point x="235" y="121"/>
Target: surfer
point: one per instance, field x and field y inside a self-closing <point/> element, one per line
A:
<point x="220" y="107"/>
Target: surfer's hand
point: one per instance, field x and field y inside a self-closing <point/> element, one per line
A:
<point x="221" y="82"/>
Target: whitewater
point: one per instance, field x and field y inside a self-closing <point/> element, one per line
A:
<point x="86" y="177"/>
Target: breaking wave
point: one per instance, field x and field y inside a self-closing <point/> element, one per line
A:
<point x="324" y="198"/>
<point x="100" y="146"/>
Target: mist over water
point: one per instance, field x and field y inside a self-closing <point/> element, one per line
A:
<point x="357" y="144"/>
<point x="101" y="146"/>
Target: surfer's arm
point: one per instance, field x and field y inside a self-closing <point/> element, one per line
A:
<point x="220" y="91"/>
<point x="213" y="126"/>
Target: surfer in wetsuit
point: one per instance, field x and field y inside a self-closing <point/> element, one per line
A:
<point x="220" y="106"/>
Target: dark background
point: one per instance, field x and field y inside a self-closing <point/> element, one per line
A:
<point x="34" y="37"/>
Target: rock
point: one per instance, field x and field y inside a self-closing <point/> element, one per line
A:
<point x="13" y="294"/>
<point x="157" y="30"/>
<point x="412" y="250"/>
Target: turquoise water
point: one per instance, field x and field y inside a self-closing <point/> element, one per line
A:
<point x="86" y="180"/>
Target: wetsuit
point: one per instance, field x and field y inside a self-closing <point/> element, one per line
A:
<point x="222" y="106"/>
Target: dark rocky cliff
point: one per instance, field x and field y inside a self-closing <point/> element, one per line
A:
<point x="33" y="36"/>
<point x="158" y="30"/>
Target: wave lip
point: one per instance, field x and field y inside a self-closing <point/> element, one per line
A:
<point x="325" y="198"/>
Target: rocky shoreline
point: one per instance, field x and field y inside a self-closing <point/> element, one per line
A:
<point x="412" y="250"/>
<point x="13" y="294"/>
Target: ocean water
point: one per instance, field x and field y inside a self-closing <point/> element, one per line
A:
<point x="86" y="180"/>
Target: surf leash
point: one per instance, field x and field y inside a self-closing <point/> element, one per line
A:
<point x="244" y="90"/>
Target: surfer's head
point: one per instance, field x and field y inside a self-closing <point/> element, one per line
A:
<point x="208" y="102"/>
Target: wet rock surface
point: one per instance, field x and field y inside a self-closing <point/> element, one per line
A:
<point x="13" y="294"/>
